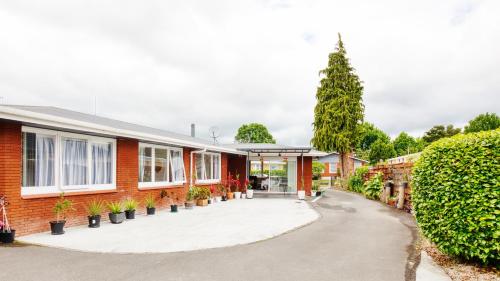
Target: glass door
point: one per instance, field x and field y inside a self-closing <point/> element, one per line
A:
<point x="274" y="175"/>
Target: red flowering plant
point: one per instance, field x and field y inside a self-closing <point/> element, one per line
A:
<point x="212" y="190"/>
<point x="247" y="184"/>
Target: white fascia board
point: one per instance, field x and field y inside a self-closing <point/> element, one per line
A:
<point x="71" y="124"/>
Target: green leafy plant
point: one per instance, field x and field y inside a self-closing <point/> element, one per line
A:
<point x="150" y="201"/>
<point x="355" y="182"/>
<point x="191" y="194"/>
<point x="374" y="186"/>
<point x="61" y="207"/>
<point x="201" y="193"/>
<point x="95" y="207"/>
<point x="130" y="204"/>
<point x="315" y="186"/>
<point x="115" y="207"/>
<point x="456" y="195"/>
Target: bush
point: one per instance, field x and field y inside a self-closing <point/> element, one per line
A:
<point x="356" y="181"/>
<point x="374" y="186"/>
<point x="456" y="195"/>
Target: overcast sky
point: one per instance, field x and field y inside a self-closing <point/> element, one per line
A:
<point x="167" y="64"/>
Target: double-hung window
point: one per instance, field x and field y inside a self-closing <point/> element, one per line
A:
<point x="333" y="167"/>
<point x="160" y="166"/>
<point x="55" y="161"/>
<point x="207" y="166"/>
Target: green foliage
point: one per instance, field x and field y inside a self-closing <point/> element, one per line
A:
<point x="339" y="109"/>
<point x="115" y="207"/>
<point x="61" y="207"/>
<point x="439" y="132"/>
<point x="368" y="135"/>
<point x="254" y="133"/>
<point x="130" y="204"/>
<point x="95" y="207"/>
<point x="150" y="201"/>
<point x="201" y="192"/>
<point x="404" y="144"/>
<point x="381" y="151"/>
<point x="456" y="195"/>
<point x="483" y="122"/>
<point x="191" y="193"/>
<point x="374" y="186"/>
<point x="315" y="186"/>
<point x="317" y="169"/>
<point x="355" y="182"/>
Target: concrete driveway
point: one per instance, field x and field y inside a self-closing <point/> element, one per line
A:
<point x="355" y="239"/>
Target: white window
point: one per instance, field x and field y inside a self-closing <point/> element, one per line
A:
<point x="207" y="167"/>
<point x="333" y="167"/>
<point x="160" y="166"/>
<point x="56" y="161"/>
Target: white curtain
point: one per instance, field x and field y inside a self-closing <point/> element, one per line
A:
<point x="198" y="159"/>
<point x="208" y="166"/>
<point x="177" y="166"/>
<point x="44" y="161"/>
<point x="101" y="163"/>
<point x="145" y="164"/>
<point x="74" y="162"/>
<point x="216" y="166"/>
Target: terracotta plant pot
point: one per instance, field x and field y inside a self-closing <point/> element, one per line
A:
<point x="202" y="202"/>
<point x="229" y="195"/>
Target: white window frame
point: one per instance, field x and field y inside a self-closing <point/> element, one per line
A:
<point x="332" y="167"/>
<point x="153" y="183"/>
<point x="212" y="179"/>
<point x="59" y="187"/>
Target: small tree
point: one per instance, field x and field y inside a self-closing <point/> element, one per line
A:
<point x="404" y="144"/>
<point x="483" y="122"/>
<point x="339" y="109"/>
<point x="317" y="169"/>
<point x="254" y="133"/>
<point x="440" y="131"/>
<point x="381" y="151"/>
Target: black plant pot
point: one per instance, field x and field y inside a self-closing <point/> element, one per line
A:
<point x="209" y="201"/>
<point x="173" y="208"/>
<point x="94" y="221"/>
<point x="57" y="227"/>
<point x="224" y="198"/>
<point x="318" y="193"/>
<point x="117" y="218"/>
<point x="130" y="214"/>
<point x="150" y="211"/>
<point x="7" y="237"/>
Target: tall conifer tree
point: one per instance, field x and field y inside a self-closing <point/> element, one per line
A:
<point x="339" y="110"/>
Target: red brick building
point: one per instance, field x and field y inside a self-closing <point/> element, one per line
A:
<point x="45" y="151"/>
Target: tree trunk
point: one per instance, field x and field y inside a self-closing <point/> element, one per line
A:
<point x="346" y="165"/>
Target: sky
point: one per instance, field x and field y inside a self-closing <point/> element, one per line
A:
<point x="168" y="64"/>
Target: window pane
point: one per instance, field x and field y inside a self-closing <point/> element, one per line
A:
<point x="38" y="160"/>
<point x="216" y="166"/>
<point x="145" y="163"/>
<point x="160" y="164"/>
<point x="101" y="163"/>
<point x="198" y="160"/>
<point x="208" y="166"/>
<point x="177" y="166"/>
<point x="74" y="162"/>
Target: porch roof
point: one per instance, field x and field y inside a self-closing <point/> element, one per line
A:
<point x="271" y="148"/>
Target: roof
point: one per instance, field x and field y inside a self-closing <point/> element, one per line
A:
<point x="336" y="153"/>
<point x="275" y="148"/>
<point x="48" y="116"/>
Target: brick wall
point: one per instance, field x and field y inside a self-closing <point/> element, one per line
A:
<point x="237" y="165"/>
<point x="31" y="215"/>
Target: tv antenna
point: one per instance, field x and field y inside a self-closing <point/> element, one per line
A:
<point x="214" y="132"/>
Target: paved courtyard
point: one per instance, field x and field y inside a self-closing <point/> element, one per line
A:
<point x="354" y="239"/>
<point x="217" y="225"/>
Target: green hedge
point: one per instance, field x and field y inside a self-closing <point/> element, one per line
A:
<point x="456" y="195"/>
<point x="374" y="186"/>
<point x="356" y="181"/>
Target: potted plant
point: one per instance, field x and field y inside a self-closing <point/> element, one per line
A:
<point x="150" y="204"/>
<point x="222" y="191"/>
<point x="116" y="214"/>
<point x="7" y="234"/>
<point x="249" y="191"/>
<point x="229" y="192"/>
<point x="236" y="184"/>
<point x="60" y="209"/>
<point x="190" y="196"/>
<point x="130" y="207"/>
<point x="301" y="193"/>
<point x="202" y="195"/>
<point x="94" y="210"/>
<point x="392" y="201"/>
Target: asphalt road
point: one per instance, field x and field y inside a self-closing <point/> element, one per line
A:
<point x="355" y="239"/>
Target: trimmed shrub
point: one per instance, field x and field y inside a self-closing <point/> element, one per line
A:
<point x="356" y="181"/>
<point x="374" y="186"/>
<point x="456" y="195"/>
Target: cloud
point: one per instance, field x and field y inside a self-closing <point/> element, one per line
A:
<point x="168" y="64"/>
